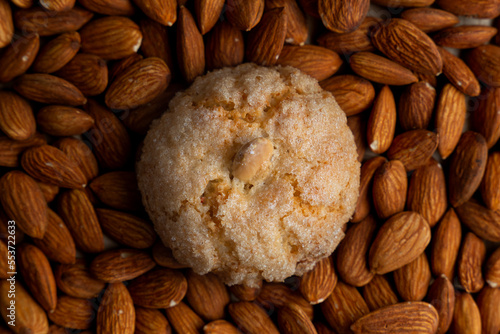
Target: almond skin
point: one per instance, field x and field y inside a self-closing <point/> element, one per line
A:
<point x="445" y="245"/>
<point x="464" y="37"/>
<point x="357" y="124"/>
<point x="387" y="253"/>
<point x="75" y="280"/>
<point x="244" y="14"/>
<point x="413" y="148"/>
<point x="430" y="19"/>
<point x="155" y="43"/>
<point x="207" y="295"/>
<point x="139" y="84"/>
<point x="16" y="116"/>
<point x="296" y="27"/>
<point x="184" y="320"/>
<point x="10" y="150"/>
<point x="118" y="190"/>
<point x="89" y="73"/>
<point x="352" y="93"/>
<point x="292" y="319"/>
<point x="116" y="312"/>
<point x="490" y="185"/>
<point x="225" y="46"/>
<point x="488" y="303"/>
<point x="317" y="284"/>
<point x="390" y="185"/>
<point x="379" y="293"/>
<point x="342" y="17"/>
<point x="492" y="269"/>
<point x="151" y="321"/>
<point x="486" y="119"/>
<point x="485" y="223"/>
<point x="35" y="19"/>
<point x="382" y="122"/>
<point x="73" y="312"/>
<point x="246" y="293"/>
<point x="251" y="318"/>
<point x="190" y="46"/>
<point x="484" y="62"/>
<point x="459" y="74"/>
<point x="164" y="12"/>
<point x="109" y="7"/>
<point x="416" y="106"/>
<point x="441" y="295"/>
<point x="6" y="25"/>
<point x="466" y="316"/>
<point x="63" y="121"/>
<point x="274" y="295"/>
<point x="78" y="152"/>
<point x="57" y="52"/>
<point x="18" y="57"/>
<point x="413" y="279"/>
<point x="470" y="263"/>
<point x="120" y="265"/>
<point x="478" y="8"/>
<point x="207" y="13"/>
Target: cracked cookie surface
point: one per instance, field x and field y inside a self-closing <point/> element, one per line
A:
<point x="275" y="225"/>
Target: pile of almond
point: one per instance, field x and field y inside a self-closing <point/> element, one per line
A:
<point x="81" y="82"/>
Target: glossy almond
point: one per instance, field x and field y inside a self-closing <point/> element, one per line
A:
<point x="485" y="223"/>
<point x="388" y="253"/>
<point x="316" y="285"/>
<point x="382" y="122"/>
<point x="441" y="295"/>
<point x="73" y="312"/>
<point x="120" y="265"/>
<point x="486" y="119"/>
<point x="413" y="148"/>
<point x="190" y="46"/>
<point x="10" y="150"/>
<point x="352" y="93"/>
<point x="467" y="167"/>
<point x="35" y="19"/>
<point x="379" y="293"/>
<point x="251" y="318"/>
<point x="184" y="320"/>
<point x="23" y="201"/>
<point x="430" y="19"/>
<point x="459" y="74"/>
<point x="18" y="57"/>
<point x="484" y="61"/>
<point x="111" y="37"/>
<point x="75" y="208"/>
<point x="470" y="263"/>
<point x="75" y="280"/>
<point x="116" y="313"/>
<point x="403" y="42"/>
<point x="340" y="16"/>
<point x="465" y="36"/>
<point x="16" y="116"/>
<point x="164" y="12"/>
<point x="390" y="185"/>
<point x="207" y="295"/>
<point x="412" y="280"/>
<point x="244" y="14"/>
<point x="6" y="25"/>
<point x="118" y="190"/>
<point x="224" y="47"/>
<point x="87" y="72"/>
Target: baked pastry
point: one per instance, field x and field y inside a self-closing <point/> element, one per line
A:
<point x="251" y="174"/>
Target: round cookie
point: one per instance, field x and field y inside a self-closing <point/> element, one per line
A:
<point x="251" y="174"/>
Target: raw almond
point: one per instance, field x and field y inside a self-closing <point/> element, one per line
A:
<point x="403" y="3"/>
<point x="35" y="269"/>
<point x="244" y="14"/>
<point x="18" y="57"/>
<point x="296" y="27"/>
<point x="10" y="149"/>
<point x="445" y="245"/>
<point x="58" y="5"/>
<point x="63" y="121"/>
<point x="390" y="185"/>
<point x="207" y="295"/>
<point x="111" y="37"/>
<point x="352" y="93"/>
<point x="470" y="263"/>
<point x="466" y="316"/>
<point x="318" y="62"/>
<point x="265" y="41"/>
<point x="380" y="69"/>
<point x="118" y="190"/>
<point x="464" y="37"/>
<point x="292" y="319"/>
<point x="190" y="46"/>
<point x="459" y="74"/>
<point x="75" y="280"/>
<point x="492" y="269"/>
<point x="156" y="43"/>
<point x="116" y="312"/>
<point x="138" y="84"/>
<point x="441" y="295"/>
<point x="244" y="292"/>
<point x="36" y="19"/>
<point x="120" y="265"/>
<point x="344" y="306"/>
<point x="57" y="243"/>
<point x="478" y="8"/>
<point x="46" y="88"/>
<point x="352" y="264"/>
<point x="485" y="223"/>
<point x="163" y="257"/>
<point x="486" y="119"/>
<point x="160" y="288"/>
<point x="276" y="295"/>
<point x="183" y="319"/>
<point x="403" y="42"/>
<point x="413" y="148"/>
<point x="388" y="253"/>
<point x="87" y="72"/>
<point x="207" y="13"/>
<point x="109" y="7"/>
<point x="357" y="124"/>
<point x="467" y="167"/>
<point x="6" y="25"/>
<point x="316" y="285"/>
<point x="49" y="191"/>
<point x="427" y="192"/>
<point x="57" y="52"/>
<point x="251" y="318"/>
<point x="490" y="185"/>
<point x="382" y="122"/>
<point x="379" y="293"/>
<point x="73" y="312"/>
<point x="412" y="280"/>
<point x="164" y="12"/>
<point x="23" y="201"/>
<point x="123" y="64"/>
<point x="225" y="46"/>
<point x="403" y="317"/>
<point x="75" y="208"/>
<point x="430" y="19"/>
<point x="78" y="152"/>
<point x="342" y="17"/>
<point x="220" y="326"/>
<point x="5" y="266"/>
<point x="488" y="303"/>
<point x="484" y="62"/>
<point x="16" y="116"/>
<point x="150" y="321"/>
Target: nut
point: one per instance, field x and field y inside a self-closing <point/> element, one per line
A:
<point x="252" y="159"/>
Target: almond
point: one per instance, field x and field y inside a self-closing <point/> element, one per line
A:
<point x="207" y="13"/>
<point x="138" y="84"/>
<point x="63" y="121"/>
<point x="352" y="93"/>
<point x="251" y="318"/>
<point x="459" y="74"/>
<point x="109" y="7"/>
<point x="18" y="57"/>
<point x="46" y="88"/>
<point x="388" y="252"/>
<point x="352" y="264"/>
<point x="23" y="201"/>
<point x="73" y="312"/>
<point x="341" y="17"/>
<point x="486" y="119"/>
<point x="404" y="317"/>
<point x="190" y="46"/>
<point x="484" y="222"/>
<point x="10" y="149"/>
<point x="403" y="3"/>
<point x="120" y="265"/>
<point x="87" y="72"/>
<point x="111" y="37"/>
<point x="150" y="321"/>
<point x="478" y="8"/>
<point x="164" y="12"/>
<point x="466" y="316"/>
<point x="379" y="293"/>
<point x="265" y="41"/>
<point x="163" y="257"/>
<point x="276" y="295"/>
<point x="48" y="164"/>
<point x="357" y="124"/>
<point x="382" y="122"/>
<point x="244" y="14"/>
<point x="119" y="66"/>
<point x="403" y="42"/>
<point x="464" y="37"/>
<point x="109" y="138"/>
<point x="58" y="5"/>
<point x="225" y="46"/>
<point x="184" y="320"/>
<point x="296" y="27"/>
<point x="470" y="262"/>
<point x="484" y="62"/>
<point x="488" y="303"/>
<point x="49" y="191"/>
<point x="244" y="292"/>
<point x="220" y="326"/>
<point x="6" y="25"/>
<point x="292" y="319"/>
<point x="118" y="190"/>
<point x="57" y="243"/>
<point x="413" y="148"/>
<point x="35" y="269"/>
<point x="156" y="43"/>
<point x="492" y="269"/>
<point x="207" y="295"/>
<point x="445" y="245"/>
<point x="30" y="317"/>
<point x="78" y="152"/>
<point x="441" y="295"/>
<point x="317" y="284"/>
<point x="16" y="116"/>
<point x="427" y="192"/>
<point x="75" y="208"/>
<point x="490" y="185"/>
<point x="75" y="280"/>
<point x="430" y="19"/>
<point x="412" y="280"/>
<point x="318" y="62"/>
<point x="390" y="185"/>
<point x="37" y="19"/>
<point x="6" y="265"/>
<point x="380" y="69"/>
<point x="116" y="312"/>
<point x="467" y="167"/>
<point x="160" y="288"/>
<point x="344" y="306"/>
